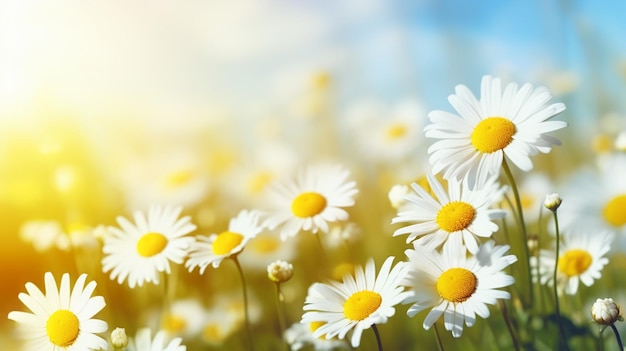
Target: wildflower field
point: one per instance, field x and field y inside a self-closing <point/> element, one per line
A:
<point x="310" y="176"/>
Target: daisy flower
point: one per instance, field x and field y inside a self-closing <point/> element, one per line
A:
<point x="596" y="201"/>
<point x="458" y="214"/>
<point x="386" y="133"/>
<point x="144" y="342"/>
<point x="513" y="122"/>
<point x="581" y="258"/>
<point x="266" y="248"/>
<point x="456" y="286"/>
<point x="216" y="247"/>
<point x="177" y="177"/>
<point x="300" y="336"/>
<point x="312" y="201"/>
<point x="62" y="319"/>
<point x="357" y="303"/>
<point x="140" y="251"/>
<point x="184" y="318"/>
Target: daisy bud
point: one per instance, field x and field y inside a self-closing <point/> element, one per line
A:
<point x="552" y="202"/>
<point x="119" y="340"/>
<point x="605" y="311"/>
<point x="279" y="271"/>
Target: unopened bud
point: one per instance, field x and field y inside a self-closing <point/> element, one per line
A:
<point x="605" y="312"/>
<point x="279" y="271"/>
<point x="119" y="340"/>
<point x="552" y="202"/>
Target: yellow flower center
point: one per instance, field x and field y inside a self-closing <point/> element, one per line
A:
<point x="455" y="216"/>
<point x="264" y="244"/>
<point x="213" y="333"/>
<point x="178" y="178"/>
<point x="151" y="244"/>
<point x="259" y="181"/>
<point x="308" y="204"/>
<point x="342" y="269"/>
<point x="602" y="143"/>
<point x="456" y="284"/>
<point x="361" y="304"/>
<point x="615" y="211"/>
<point x="313" y="326"/>
<point x="528" y="201"/>
<point x="574" y="262"/>
<point x="173" y="323"/>
<point x="226" y="242"/>
<point x="396" y="131"/>
<point x="62" y="328"/>
<point x="493" y="134"/>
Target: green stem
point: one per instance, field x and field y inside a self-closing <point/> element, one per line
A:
<point x="556" y="295"/>
<point x="520" y="215"/>
<point x="509" y="326"/>
<point x="245" y="301"/>
<point x="617" y="337"/>
<point x="439" y="343"/>
<point x="378" y="341"/>
<point x="279" y="310"/>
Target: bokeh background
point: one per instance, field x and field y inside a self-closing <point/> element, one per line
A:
<point x="90" y="88"/>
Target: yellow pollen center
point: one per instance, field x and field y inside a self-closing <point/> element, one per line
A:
<point x="361" y="304"/>
<point x="62" y="328"/>
<point x="226" y="242"/>
<point x="264" y="244"/>
<point x="173" y="323"/>
<point x="259" y="181"/>
<point x="212" y="333"/>
<point x="455" y="216"/>
<point x="151" y="244"/>
<point x="313" y="326"/>
<point x="178" y="178"/>
<point x="615" y="211"/>
<point x="396" y="131"/>
<point x="574" y="262"/>
<point x="308" y="204"/>
<point x="456" y="284"/>
<point x="493" y="134"/>
<point x="528" y="201"/>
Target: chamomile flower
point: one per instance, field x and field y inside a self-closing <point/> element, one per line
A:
<point x="314" y="199"/>
<point x="512" y="123"/>
<point x="596" y="201"/>
<point x="387" y="133"/>
<point x="455" y="285"/>
<point x="216" y="247"/>
<point x="266" y="248"/>
<point x="357" y="303"/>
<point x="300" y="336"/>
<point x="184" y="318"/>
<point x="62" y="319"/>
<point x="142" y="250"/>
<point x="458" y="214"/>
<point x="581" y="259"/>
<point x="144" y="342"/>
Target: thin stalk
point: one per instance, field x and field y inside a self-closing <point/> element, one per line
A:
<point x="245" y="302"/>
<point x="321" y="245"/>
<point x="509" y="326"/>
<point x="378" y="341"/>
<point x="617" y="337"/>
<point x="554" y="277"/>
<point x="520" y="215"/>
<point x="438" y="337"/>
<point x="279" y="310"/>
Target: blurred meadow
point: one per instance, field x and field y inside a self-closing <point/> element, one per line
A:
<point x="109" y="107"/>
